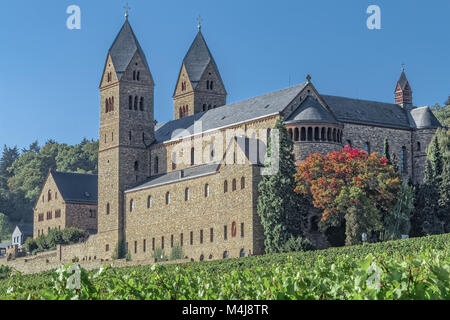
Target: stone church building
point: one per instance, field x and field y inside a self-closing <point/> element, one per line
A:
<point x="180" y="182"/>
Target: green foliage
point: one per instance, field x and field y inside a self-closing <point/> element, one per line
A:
<point x="119" y="250"/>
<point x="442" y="113"/>
<point x="30" y="245"/>
<point x="281" y="210"/>
<point x="412" y="269"/>
<point x="22" y="176"/>
<point x="398" y="222"/>
<point x="159" y="255"/>
<point x="54" y="238"/>
<point x="295" y="244"/>
<point x="128" y="256"/>
<point x="386" y="151"/>
<point x="176" y="253"/>
<point x="5" y="272"/>
<point x="5" y="227"/>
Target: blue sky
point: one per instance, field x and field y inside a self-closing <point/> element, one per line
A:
<point x="50" y="75"/>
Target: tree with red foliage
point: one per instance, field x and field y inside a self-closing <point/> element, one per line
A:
<point x="350" y="185"/>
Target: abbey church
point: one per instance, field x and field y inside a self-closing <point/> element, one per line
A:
<point x="179" y="183"/>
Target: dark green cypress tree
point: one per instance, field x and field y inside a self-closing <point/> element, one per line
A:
<point x="386" y="152"/>
<point x="444" y="197"/>
<point x="435" y="156"/>
<point x="280" y="208"/>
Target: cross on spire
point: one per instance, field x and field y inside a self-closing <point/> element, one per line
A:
<point x="127" y="8"/>
<point x="403" y="67"/>
<point x="199" y="20"/>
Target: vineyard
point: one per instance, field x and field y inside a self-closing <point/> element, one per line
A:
<point x="416" y="268"/>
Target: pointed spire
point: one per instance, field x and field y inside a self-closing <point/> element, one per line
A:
<point x="403" y="91"/>
<point x="197" y="59"/>
<point x="124" y="48"/>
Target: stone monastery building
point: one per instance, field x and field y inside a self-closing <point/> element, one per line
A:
<point x="180" y="183"/>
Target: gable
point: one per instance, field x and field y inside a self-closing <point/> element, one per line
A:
<point x="182" y="77"/>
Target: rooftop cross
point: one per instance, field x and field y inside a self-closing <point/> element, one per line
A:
<point x="403" y="67"/>
<point x="127" y="8"/>
<point x="199" y="20"/>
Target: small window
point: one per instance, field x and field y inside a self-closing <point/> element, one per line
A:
<point x="225" y="232"/>
<point x="171" y="241"/>
<point x="404" y="161"/>
<point x="135" y="247"/>
<point x="107" y="208"/>
<point x="225" y="186"/>
<point x="149" y="202"/>
<point x="130" y="102"/>
<point x="242" y="182"/>
<point x="107" y="248"/>
<point x="192" y="156"/>
<point x="144" y="245"/>
<point x="418" y="146"/>
<point x="367" y="147"/>
<point x="187" y="194"/>
<point x="181" y="240"/>
<point x="162" y="242"/>
<point x="225" y="254"/>
<point x="242" y="253"/>
<point x="131" y="205"/>
<point x="201" y="236"/>
<point x="49" y="195"/>
<point x="211" y="235"/>
<point x="233" y="185"/>
<point x="174" y="160"/>
<point x="141" y="104"/>
<point x="167" y="197"/>
<point x="211" y="152"/>
<point x="136" y="166"/>
<point x="191" y="240"/>
<point x="206" y="190"/>
<point x="202" y="257"/>
<point x="135" y="103"/>
<point x="242" y="230"/>
<point x="233" y="229"/>
<point x="156" y="165"/>
<point x="153" y="244"/>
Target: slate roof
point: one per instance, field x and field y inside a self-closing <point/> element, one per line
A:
<point x="368" y="112"/>
<point x="310" y="110"/>
<point x="77" y="187"/>
<point x="424" y="118"/>
<point x="402" y="80"/>
<point x="197" y="59"/>
<point x="253" y="108"/>
<point x="124" y="48"/>
<point x="178" y="175"/>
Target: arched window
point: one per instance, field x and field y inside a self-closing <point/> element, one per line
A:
<point x="225" y="186"/>
<point x="403" y="161"/>
<point x="418" y="146"/>
<point x="149" y="202"/>
<point x="130" y="102"/>
<point x="310" y="134"/>
<point x="367" y="147"/>
<point x="334" y="135"/>
<point x="174" y="160"/>
<point x="233" y="229"/>
<point x="316" y="134"/>
<point x="233" y="185"/>
<point x="131" y="205"/>
<point x="156" y="165"/>
<point x="167" y="197"/>
<point x="211" y="85"/>
<point x="107" y="208"/>
<point x="135" y="103"/>
<point x="106" y="106"/>
<point x="136" y="166"/>
<point x="204" y="107"/>
<point x="242" y="182"/>
<point x="323" y="135"/>
<point x="192" y="156"/>
<point x="303" y="134"/>
<point x="202" y="257"/>
<point x="329" y="134"/>
<point x="187" y="111"/>
<point x="206" y="190"/>
<point x="296" y="134"/>
<point x="242" y="253"/>
<point x="134" y="75"/>
<point x="112" y="104"/>
<point x="207" y="84"/>
<point x="211" y="152"/>
<point x="187" y="194"/>
<point x="225" y="254"/>
<point x="138" y="76"/>
<point x="290" y="133"/>
<point x="141" y="104"/>
<point x="181" y="113"/>
<point x="209" y="107"/>
<point x="49" y="195"/>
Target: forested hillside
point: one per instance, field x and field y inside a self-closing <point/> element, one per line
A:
<point x="22" y="173"/>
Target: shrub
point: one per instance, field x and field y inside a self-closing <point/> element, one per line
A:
<point x="30" y="245"/>
<point x="5" y="271"/>
<point x="73" y="235"/>
<point x="55" y="237"/>
<point x="159" y="255"/>
<point x="119" y="250"/>
<point x="298" y="244"/>
<point x="176" y="253"/>
<point x="41" y="242"/>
